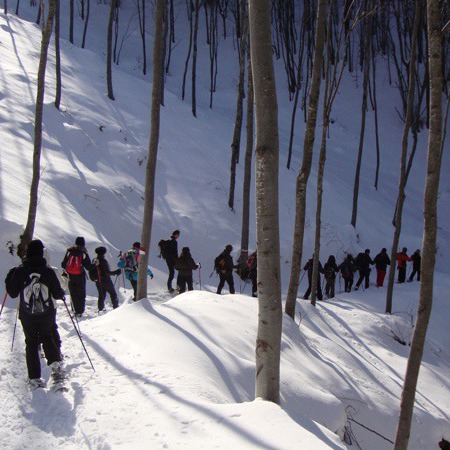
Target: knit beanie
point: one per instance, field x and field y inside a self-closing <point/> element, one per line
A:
<point x="80" y="241"/>
<point x="229" y="248"/>
<point x="137" y="245"/>
<point x="35" y="248"/>
<point x="100" y="250"/>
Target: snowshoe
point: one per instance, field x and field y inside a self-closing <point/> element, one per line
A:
<point x="36" y="383"/>
<point x="59" y="377"/>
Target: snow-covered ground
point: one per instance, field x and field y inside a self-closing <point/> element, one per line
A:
<point x="179" y="372"/>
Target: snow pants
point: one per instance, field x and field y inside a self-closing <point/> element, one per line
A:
<point x="77" y="289"/>
<point x="103" y="288"/>
<point x="319" y="290"/>
<point x="329" y="287"/>
<point x="401" y="274"/>
<point x="348" y="283"/>
<point x="39" y="329"/>
<point x="414" y="272"/>
<point x="171" y="267"/>
<point x="380" y="277"/>
<point x="226" y="277"/>
<point x="183" y="280"/>
<point x="364" y="275"/>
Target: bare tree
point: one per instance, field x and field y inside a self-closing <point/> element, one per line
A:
<point x="32" y="208"/>
<point x="141" y="15"/>
<point x="109" y="50"/>
<point x="157" y="88"/>
<point x="71" y="18"/>
<point x="434" y="159"/>
<point x="269" y="288"/>
<point x="57" y="57"/>
<point x="406" y="129"/>
<point x="308" y="146"/>
<point x="86" y="22"/>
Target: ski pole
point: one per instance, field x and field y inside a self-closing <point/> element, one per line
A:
<point x="78" y="333"/>
<point x="115" y="281"/>
<point x="300" y="282"/>
<point x="15" y="326"/>
<point x="200" y="275"/>
<point x="3" y="303"/>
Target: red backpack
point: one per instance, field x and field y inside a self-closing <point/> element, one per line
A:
<point x="74" y="265"/>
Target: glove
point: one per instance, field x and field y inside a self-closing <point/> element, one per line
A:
<point x="151" y="277"/>
<point x="96" y="262"/>
<point x="118" y="272"/>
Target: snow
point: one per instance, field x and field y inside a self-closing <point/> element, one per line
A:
<point x="179" y="372"/>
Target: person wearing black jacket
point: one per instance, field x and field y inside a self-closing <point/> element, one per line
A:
<point x="347" y="269"/>
<point x="416" y="260"/>
<point x="330" y="269"/>
<point x="185" y="264"/>
<point x="363" y="263"/>
<point x="38" y="285"/>
<point x="381" y="261"/>
<point x="171" y="258"/>
<point x="102" y="275"/>
<point x="75" y="261"/>
<point x="309" y="268"/>
<point x="225" y="269"/>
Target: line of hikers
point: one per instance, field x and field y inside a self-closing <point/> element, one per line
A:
<point x="361" y="264"/>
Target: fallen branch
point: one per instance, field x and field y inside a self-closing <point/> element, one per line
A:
<point x="368" y="429"/>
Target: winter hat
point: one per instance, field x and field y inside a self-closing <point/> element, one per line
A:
<point x="185" y="251"/>
<point x="176" y="233"/>
<point x="405" y="249"/>
<point x="367" y="251"/>
<point x="137" y="245"/>
<point x="100" y="250"/>
<point x="80" y="241"/>
<point x="383" y="250"/>
<point x="35" y="248"/>
<point x="229" y="248"/>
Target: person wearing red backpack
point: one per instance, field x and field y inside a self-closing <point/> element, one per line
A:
<point x="74" y="264"/>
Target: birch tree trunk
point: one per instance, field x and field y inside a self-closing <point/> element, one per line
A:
<point x="267" y="226"/>
<point x="157" y="88"/>
<point x="402" y="182"/>
<point x="305" y="170"/>
<point x="32" y="208"/>
<point x="430" y="225"/>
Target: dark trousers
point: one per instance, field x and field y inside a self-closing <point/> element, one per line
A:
<point x="183" y="280"/>
<point x="401" y="274"/>
<point x="39" y="329"/>
<point x="348" y="283"/>
<point x="318" y="292"/>
<point x="103" y="288"/>
<point x="134" y="286"/>
<point x="226" y="277"/>
<point x="364" y="275"/>
<point x="329" y="287"/>
<point x="380" y="277"/>
<point x="171" y="267"/>
<point x="414" y="272"/>
<point x="77" y="289"/>
<point x="254" y="278"/>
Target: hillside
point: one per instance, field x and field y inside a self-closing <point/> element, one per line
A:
<point x="180" y="372"/>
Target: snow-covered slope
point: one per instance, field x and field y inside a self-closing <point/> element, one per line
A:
<point x="181" y="373"/>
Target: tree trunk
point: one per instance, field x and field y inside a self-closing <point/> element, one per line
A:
<point x="86" y="22"/>
<point x="158" y="85"/>
<point x="247" y="161"/>
<point x="367" y="47"/>
<point x="402" y="181"/>
<point x="236" y="143"/>
<point x="194" y="59"/>
<point x="268" y="244"/>
<point x="71" y="21"/>
<point x="430" y="225"/>
<point x="308" y="146"/>
<point x="57" y="57"/>
<point x="190" y="10"/>
<point x="109" y="51"/>
<point x="32" y="208"/>
<point x="17" y="7"/>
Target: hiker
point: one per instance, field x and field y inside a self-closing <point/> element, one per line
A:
<point x="129" y="262"/>
<point x="347" y="269"/>
<point x="381" y="261"/>
<point x="330" y="269"/>
<point x="252" y="265"/>
<point x="416" y="260"/>
<point x="224" y="266"/>
<point x="363" y="262"/>
<point x="74" y="263"/>
<point x="101" y="274"/>
<point x="38" y="287"/>
<point x="185" y="264"/>
<point x="309" y="268"/>
<point x="402" y="257"/>
<point x="170" y="253"/>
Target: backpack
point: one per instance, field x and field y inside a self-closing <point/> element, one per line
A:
<point x="219" y="264"/>
<point x="74" y="265"/>
<point x="163" y="246"/>
<point x="93" y="272"/>
<point x="131" y="264"/>
<point x="346" y="269"/>
<point x="251" y="261"/>
<point x="35" y="299"/>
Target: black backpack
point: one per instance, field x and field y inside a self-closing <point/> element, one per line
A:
<point x="35" y="298"/>
<point x="163" y="246"/>
<point x="93" y="272"/>
<point x="219" y="264"/>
